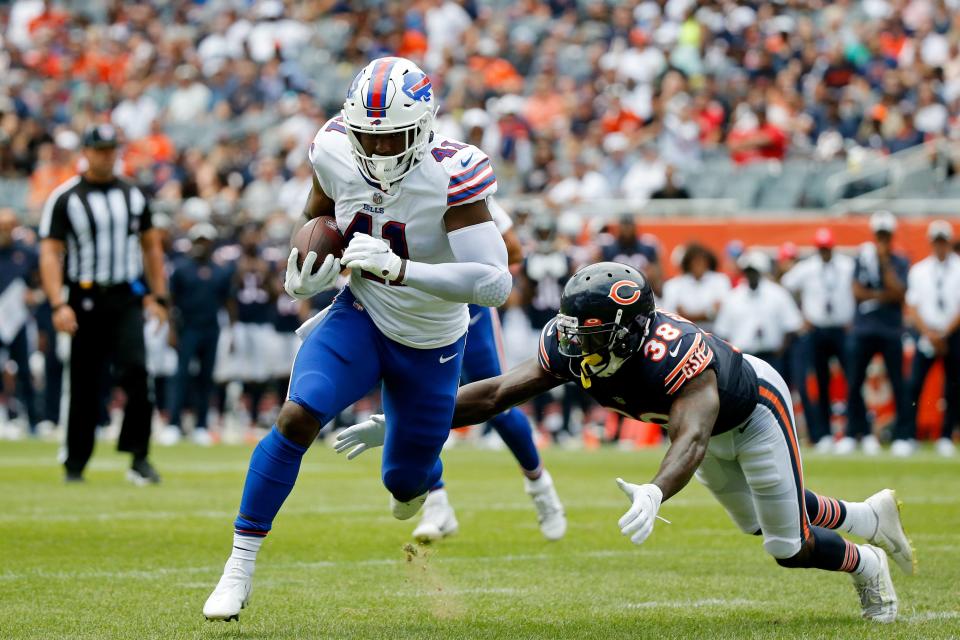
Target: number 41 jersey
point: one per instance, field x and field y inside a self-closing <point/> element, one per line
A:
<point x="674" y="352"/>
<point x="410" y="219"/>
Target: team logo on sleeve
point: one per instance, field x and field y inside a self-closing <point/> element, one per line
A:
<point x="624" y="292"/>
<point x="417" y="86"/>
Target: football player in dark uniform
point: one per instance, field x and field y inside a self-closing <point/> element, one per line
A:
<point x="729" y="419"/>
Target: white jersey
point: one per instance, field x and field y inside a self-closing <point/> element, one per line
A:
<point x="410" y="219"/>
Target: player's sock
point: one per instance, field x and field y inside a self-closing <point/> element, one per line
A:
<point x="868" y="563"/>
<point x="860" y="519"/>
<point x="823" y="511"/>
<point x="832" y="553"/>
<point x="273" y="471"/>
<point x="245" y="549"/>
<point x="514" y="429"/>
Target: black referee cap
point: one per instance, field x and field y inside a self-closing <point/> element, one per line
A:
<point x="100" y="136"/>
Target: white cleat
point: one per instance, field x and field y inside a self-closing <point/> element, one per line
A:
<point x="890" y="535"/>
<point x="845" y="446"/>
<point x="878" y="600"/>
<point x="870" y="444"/>
<point x="824" y="445"/>
<point x="201" y="437"/>
<point x="170" y="436"/>
<point x="550" y="515"/>
<point x="438" y="520"/>
<point x="946" y="448"/>
<point x="231" y="594"/>
<point x="902" y="448"/>
<point x="406" y="510"/>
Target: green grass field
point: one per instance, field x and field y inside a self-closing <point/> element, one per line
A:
<point x="109" y="560"/>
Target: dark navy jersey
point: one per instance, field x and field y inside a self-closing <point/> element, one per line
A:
<point x="255" y="305"/>
<point x="675" y="352"/>
<point x="18" y="262"/>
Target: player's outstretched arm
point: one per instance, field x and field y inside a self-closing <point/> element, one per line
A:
<point x="479" y="401"/>
<point x="480" y="274"/>
<point x="692" y="417"/>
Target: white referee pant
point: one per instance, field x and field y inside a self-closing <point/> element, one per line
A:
<point x="755" y="470"/>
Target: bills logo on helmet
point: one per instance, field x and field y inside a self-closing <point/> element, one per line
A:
<point x="417" y="86"/>
<point x="632" y="290"/>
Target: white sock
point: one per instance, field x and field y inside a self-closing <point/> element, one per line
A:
<point x="245" y="550"/>
<point x="869" y="564"/>
<point x="860" y="521"/>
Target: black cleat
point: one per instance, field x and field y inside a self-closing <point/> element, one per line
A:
<point x="142" y="473"/>
<point x="73" y="477"/>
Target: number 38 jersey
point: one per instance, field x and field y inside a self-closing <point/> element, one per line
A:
<point x="410" y="220"/>
<point x="675" y="352"/>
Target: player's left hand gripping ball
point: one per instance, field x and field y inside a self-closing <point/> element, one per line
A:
<point x="645" y="502"/>
<point x="302" y="283"/>
<point x="366" y="435"/>
<point x="372" y="255"/>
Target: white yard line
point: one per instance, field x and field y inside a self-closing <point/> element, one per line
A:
<point x="692" y="604"/>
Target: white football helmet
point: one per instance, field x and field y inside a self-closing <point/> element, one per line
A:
<point x="390" y="95"/>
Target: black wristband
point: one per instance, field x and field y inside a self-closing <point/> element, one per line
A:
<point x="163" y="301"/>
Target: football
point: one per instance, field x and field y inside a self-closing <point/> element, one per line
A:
<point x="321" y="235"/>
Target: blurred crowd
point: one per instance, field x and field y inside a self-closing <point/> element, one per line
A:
<point x="222" y="371"/>
<point x="217" y="103"/>
<point x="574" y="100"/>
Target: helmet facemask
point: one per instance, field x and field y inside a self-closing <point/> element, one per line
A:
<point x="602" y="347"/>
<point x="388" y="170"/>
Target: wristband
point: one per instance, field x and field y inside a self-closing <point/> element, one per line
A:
<point x="56" y="307"/>
<point x="163" y="301"/>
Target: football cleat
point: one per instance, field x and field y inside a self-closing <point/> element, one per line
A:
<point x="946" y="448"/>
<point x="902" y="448"/>
<point x="824" y="445"/>
<point x="142" y="473"/>
<point x="201" y="437"/>
<point x="231" y="594"/>
<point x="170" y="436"/>
<point x="878" y="600"/>
<point x="870" y="444"/>
<point x="845" y="446"/>
<point x="406" y="510"/>
<point x="890" y="535"/>
<point x="550" y="515"/>
<point x="438" y="520"/>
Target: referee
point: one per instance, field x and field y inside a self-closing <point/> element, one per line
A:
<point x="96" y="241"/>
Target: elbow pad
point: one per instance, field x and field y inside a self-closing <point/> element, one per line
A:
<point x="493" y="290"/>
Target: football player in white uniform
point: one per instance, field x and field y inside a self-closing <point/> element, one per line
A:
<point x="483" y="359"/>
<point x="421" y="245"/>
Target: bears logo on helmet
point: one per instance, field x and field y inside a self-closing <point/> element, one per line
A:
<point x="620" y="299"/>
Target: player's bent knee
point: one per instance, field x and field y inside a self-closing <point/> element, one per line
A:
<point x="790" y="557"/>
<point x="296" y="423"/>
<point x="405" y="484"/>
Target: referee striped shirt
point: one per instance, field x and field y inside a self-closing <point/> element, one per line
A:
<point x="100" y="223"/>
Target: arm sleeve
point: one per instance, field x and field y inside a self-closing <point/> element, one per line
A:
<point x="480" y="274"/>
<point x="693" y="357"/>
<point x="548" y="353"/>
<point x="500" y="217"/>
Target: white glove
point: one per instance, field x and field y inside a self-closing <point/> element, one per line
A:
<point x="372" y="255"/>
<point x="301" y="283"/>
<point x="638" y="521"/>
<point x="366" y="435"/>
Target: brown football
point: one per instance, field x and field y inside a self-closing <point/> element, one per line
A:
<point x="320" y="235"/>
